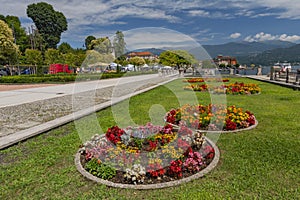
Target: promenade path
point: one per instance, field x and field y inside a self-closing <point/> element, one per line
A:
<point x="27" y="112"/>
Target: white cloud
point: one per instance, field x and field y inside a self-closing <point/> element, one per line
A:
<point x="207" y="14"/>
<point x="289" y="38"/>
<point x="201" y="13"/>
<point x="235" y="35"/>
<point x="259" y="37"/>
<point x="153" y="37"/>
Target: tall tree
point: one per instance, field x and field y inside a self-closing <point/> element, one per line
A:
<point x="119" y="44"/>
<point x="9" y="51"/>
<point x="88" y="41"/>
<point x="53" y="56"/>
<point x="101" y="45"/>
<point x="137" y="61"/>
<point x="177" y="58"/>
<point x="49" y="22"/>
<point x="35" y="58"/>
<point x="19" y="33"/>
<point x="65" y="48"/>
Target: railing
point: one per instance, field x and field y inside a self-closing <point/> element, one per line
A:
<point x="288" y="76"/>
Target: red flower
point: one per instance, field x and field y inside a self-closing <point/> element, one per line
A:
<point x="114" y="133"/>
<point x="230" y="125"/>
<point x="175" y="168"/>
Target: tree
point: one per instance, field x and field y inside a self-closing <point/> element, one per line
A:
<point x="35" y="58"/>
<point x="53" y="56"/>
<point x="65" y="48"/>
<point x="102" y="45"/>
<point x="186" y="57"/>
<point x="177" y="58"/>
<point x="19" y="33"/>
<point x="119" y="44"/>
<point x="49" y="22"/>
<point x="121" y="60"/>
<point x="9" y="51"/>
<point x="137" y="61"/>
<point x="88" y="41"/>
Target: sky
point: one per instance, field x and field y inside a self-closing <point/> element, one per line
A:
<point x="159" y="23"/>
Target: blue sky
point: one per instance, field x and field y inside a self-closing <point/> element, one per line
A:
<point x="203" y="22"/>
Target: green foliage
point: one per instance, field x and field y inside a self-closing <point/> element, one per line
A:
<point x="63" y="78"/>
<point x="101" y="170"/>
<point x="9" y="51"/>
<point x="101" y="45"/>
<point x="88" y="41"/>
<point x="33" y="57"/>
<point x="176" y="58"/>
<point x="93" y="57"/>
<point x="137" y="61"/>
<point x="49" y="22"/>
<point x="19" y="33"/>
<point x="53" y="56"/>
<point x="185" y="57"/>
<point x="65" y="48"/>
<point x="119" y="44"/>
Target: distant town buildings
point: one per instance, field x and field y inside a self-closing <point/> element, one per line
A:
<point x="143" y="54"/>
<point x="225" y="60"/>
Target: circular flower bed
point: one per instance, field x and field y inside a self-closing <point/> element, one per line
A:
<point x="147" y="157"/>
<point x="212" y="118"/>
<point x="233" y="88"/>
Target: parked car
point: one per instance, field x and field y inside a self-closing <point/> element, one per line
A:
<point x="26" y="71"/>
<point x="3" y="72"/>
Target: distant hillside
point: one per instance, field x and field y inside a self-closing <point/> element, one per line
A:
<point x="152" y="50"/>
<point x="267" y="58"/>
<point x="244" y="48"/>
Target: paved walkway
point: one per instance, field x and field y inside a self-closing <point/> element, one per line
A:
<point x="28" y="112"/>
<point x="277" y="82"/>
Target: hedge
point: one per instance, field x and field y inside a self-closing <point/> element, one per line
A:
<point x="62" y="78"/>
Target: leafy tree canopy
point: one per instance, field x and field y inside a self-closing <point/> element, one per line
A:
<point x="101" y="45"/>
<point x="119" y="44"/>
<point x="49" y="22"/>
<point x="8" y="49"/>
<point x="19" y="33"/>
<point x="93" y="57"/>
<point x="88" y="41"/>
<point x="137" y="61"/>
<point x="53" y="56"/>
<point x="65" y="48"/>
<point x="176" y="58"/>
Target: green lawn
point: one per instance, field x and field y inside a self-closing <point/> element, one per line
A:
<point x="262" y="163"/>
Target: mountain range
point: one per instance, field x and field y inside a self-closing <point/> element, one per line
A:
<point x="259" y="53"/>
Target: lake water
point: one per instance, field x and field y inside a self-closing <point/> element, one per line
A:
<point x="265" y="70"/>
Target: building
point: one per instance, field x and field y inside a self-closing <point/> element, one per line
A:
<point x="226" y="60"/>
<point x="143" y="54"/>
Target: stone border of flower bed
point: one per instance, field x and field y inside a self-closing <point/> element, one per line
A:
<point x="233" y="131"/>
<point x="210" y="167"/>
